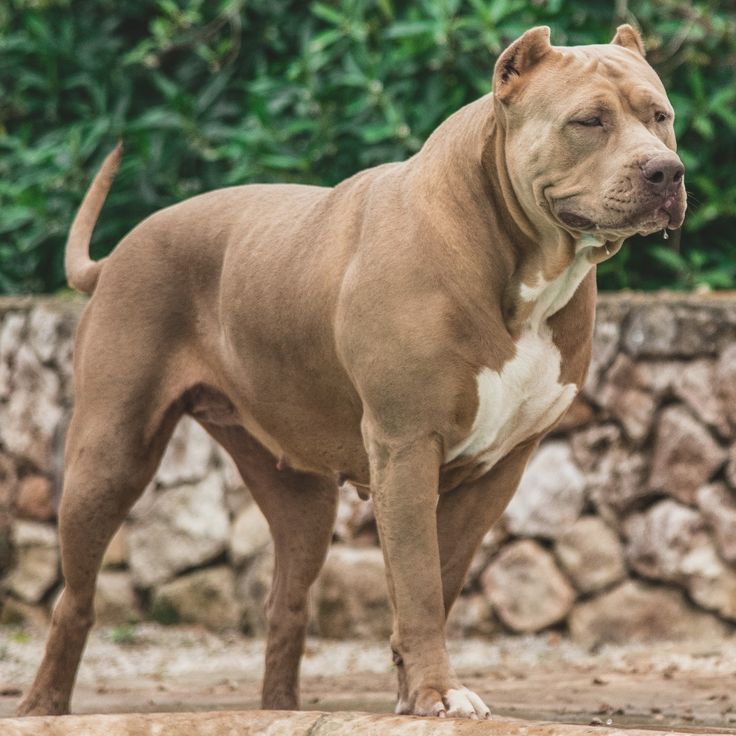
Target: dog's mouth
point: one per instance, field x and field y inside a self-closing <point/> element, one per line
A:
<point x="577" y="222"/>
<point x="667" y="212"/>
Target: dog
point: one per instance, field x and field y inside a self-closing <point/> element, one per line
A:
<point x="414" y="331"/>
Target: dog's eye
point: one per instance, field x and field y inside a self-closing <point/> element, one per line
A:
<point x="593" y="122"/>
<point x="660" y="117"/>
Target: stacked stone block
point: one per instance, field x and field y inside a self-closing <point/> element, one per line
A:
<point x="623" y="527"/>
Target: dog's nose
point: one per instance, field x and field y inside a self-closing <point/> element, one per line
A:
<point x="662" y="171"/>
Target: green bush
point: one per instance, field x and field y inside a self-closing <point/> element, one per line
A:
<point x="208" y="94"/>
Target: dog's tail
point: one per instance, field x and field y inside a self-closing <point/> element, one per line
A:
<point x="81" y="271"/>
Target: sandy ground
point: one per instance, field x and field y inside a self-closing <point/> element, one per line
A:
<point x="691" y="686"/>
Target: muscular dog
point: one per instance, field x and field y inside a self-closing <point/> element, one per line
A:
<point x="413" y="330"/>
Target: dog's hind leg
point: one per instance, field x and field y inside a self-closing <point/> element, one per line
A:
<point x="300" y="509"/>
<point x="110" y="457"/>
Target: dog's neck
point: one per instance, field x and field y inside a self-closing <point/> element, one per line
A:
<point x="467" y="193"/>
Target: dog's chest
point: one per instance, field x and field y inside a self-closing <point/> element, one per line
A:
<point x="526" y="396"/>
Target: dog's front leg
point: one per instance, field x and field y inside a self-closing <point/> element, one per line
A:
<point x="464" y="515"/>
<point x="404" y="479"/>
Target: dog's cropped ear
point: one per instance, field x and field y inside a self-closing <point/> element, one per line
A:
<point x="628" y="37"/>
<point x="517" y="60"/>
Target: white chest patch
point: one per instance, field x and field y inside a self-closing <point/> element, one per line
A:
<point x="526" y="396"/>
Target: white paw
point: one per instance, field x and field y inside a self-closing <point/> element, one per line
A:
<point x="462" y="703"/>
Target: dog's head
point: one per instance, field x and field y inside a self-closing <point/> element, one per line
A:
<point x="589" y="140"/>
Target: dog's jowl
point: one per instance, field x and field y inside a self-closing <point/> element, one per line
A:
<point x="413" y="330"/>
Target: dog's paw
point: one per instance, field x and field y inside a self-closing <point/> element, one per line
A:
<point x="41" y="707"/>
<point x="458" y="702"/>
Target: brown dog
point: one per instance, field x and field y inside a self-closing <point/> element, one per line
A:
<point x="414" y="330"/>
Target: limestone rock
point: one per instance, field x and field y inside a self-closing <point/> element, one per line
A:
<point x="350" y="596"/>
<point x="660" y="377"/>
<point x="718" y="506"/>
<point x="34" y="499"/>
<point x="115" y="600"/>
<point x="696" y="386"/>
<point x="550" y="496"/>
<point x="142" y="507"/>
<point x="184" y="527"/>
<point x="230" y="472"/>
<point x="677" y="326"/>
<point x="6" y="542"/>
<point x="37" y="561"/>
<point x="31" y="421"/>
<point x="591" y="554"/>
<point x="731" y="466"/>
<point x="624" y="394"/>
<point x="661" y="538"/>
<point x="591" y="443"/>
<point x="635" y="612"/>
<point x="494" y="539"/>
<point x="251" y="590"/>
<point x="51" y="331"/>
<point x="725" y="372"/>
<point x="188" y="455"/>
<point x="492" y="543"/>
<point x="526" y="588"/>
<point x="204" y="597"/>
<point x="710" y="583"/>
<point x="606" y="341"/>
<point x="670" y="542"/>
<point x="250" y="534"/>
<point x="354" y="516"/>
<point x="237" y="496"/>
<point x="17" y="613"/>
<point x="472" y="615"/>
<point x="12" y="330"/>
<point x="615" y="475"/>
<point x="33" y="534"/>
<point x="652" y="330"/>
<point x="685" y="455"/>
<point x="116" y="554"/>
<point x="618" y="483"/>
<point x="8" y="482"/>
<point x="705" y="327"/>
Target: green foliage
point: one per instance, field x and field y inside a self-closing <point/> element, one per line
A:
<point x="124" y="635"/>
<point x="21" y="636"/>
<point x="207" y="94"/>
<point x="165" y="612"/>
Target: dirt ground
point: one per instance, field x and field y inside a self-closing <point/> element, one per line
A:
<point x="691" y="686"/>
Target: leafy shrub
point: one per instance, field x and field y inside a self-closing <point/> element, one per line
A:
<point x="208" y="94"/>
<point x="124" y="635"/>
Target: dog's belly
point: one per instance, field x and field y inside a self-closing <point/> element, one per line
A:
<point x="308" y="419"/>
<point x="523" y="399"/>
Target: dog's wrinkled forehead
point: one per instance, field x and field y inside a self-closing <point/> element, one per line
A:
<point x="608" y="60"/>
<point x="608" y="76"/>
<point x="610" y="71"/>
<point x="535" y="80"/>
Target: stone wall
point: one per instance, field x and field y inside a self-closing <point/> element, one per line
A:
<point x="624" y="525"/>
